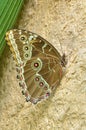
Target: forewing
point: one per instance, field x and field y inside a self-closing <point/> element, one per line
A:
<point x="22" y="44"/>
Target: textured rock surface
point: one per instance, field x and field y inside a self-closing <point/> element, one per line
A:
<point x="57" y="21"/>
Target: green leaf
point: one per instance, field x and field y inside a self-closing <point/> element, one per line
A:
<point x="9" y="10"/>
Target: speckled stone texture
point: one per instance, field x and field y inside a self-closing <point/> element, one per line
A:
<point x="60" y="22"/>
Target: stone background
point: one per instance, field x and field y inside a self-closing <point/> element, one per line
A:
<point x="60" y="22"/>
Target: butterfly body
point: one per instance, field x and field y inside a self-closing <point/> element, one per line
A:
<point x="39" y="64"/>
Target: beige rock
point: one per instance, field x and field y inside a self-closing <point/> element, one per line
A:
<point x="60" y="22"/>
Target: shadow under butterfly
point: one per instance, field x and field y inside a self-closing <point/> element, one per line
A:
<point x="38" y="63"/>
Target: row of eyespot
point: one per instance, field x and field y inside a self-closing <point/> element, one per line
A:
<point x="26" y="48"/>
<point x="41" y="83"/>
<point x="23" y="38"/>
<point x="27" y="51"/>
<point x="37" y="80"/>
<point x="46" y="95"/>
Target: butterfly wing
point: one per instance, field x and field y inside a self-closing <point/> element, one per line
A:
<point x="39" y="64"/>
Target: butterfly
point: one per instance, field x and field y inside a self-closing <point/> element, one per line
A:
<point x="39" y="65"/>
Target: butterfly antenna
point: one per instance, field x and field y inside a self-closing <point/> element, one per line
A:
<point x="63" y="62"/>
<point x="61" y="46"/>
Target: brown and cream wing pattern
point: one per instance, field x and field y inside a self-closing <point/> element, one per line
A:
<point x="38" y="64"/>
